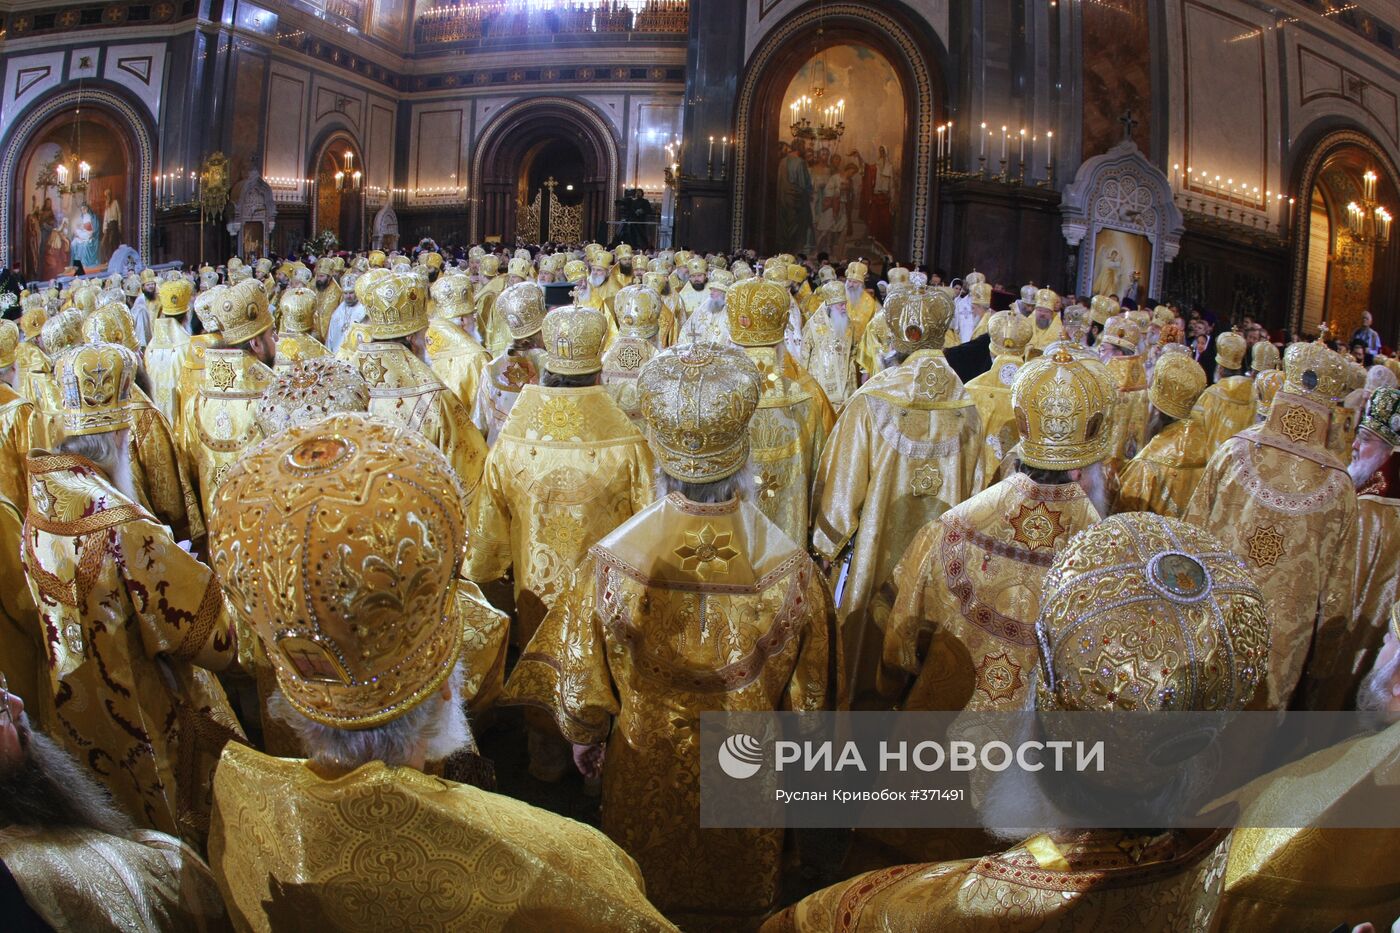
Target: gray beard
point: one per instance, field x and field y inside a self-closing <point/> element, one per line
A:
<point x="1361" y="471"/>
<point x="50" y="790"/>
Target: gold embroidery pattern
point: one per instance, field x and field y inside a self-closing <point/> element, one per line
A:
<point x="562" y="533"/>
<point x="1036" y="526"/>
<point x="559" y="417"/>
<point x="705" y="547"/>
<point x="222" y="375"/>
<point x="999" y="677"/>
<point x="1266" y="545"/>
<point x="1297" y="424"/>
<point x="372" y="368"/>
<point x="927" y="480"/>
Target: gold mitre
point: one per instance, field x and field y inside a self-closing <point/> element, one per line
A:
<point x="796" y="273"/>
<point x="1266" y="386"/>
<point x="1028" y="293"/>
<point x="1162" y="315"/>
<point x="110" y="323"/>
<point x="1149" y="614"/>
<point x="174" y="297"/>
<point x="656" y="281"/>
<point x="623" y="251"/>
<point x="775" y="270"/>
<point x="1122" y="333"/>
<point x="918" y="318"/>
<point x="242" y="313"/>
<point x="1177" y="381"/>
<point x="742" y="271"/>
<point x="1101" y="308"/>
<point x="524" y="308"/>
<point x="366" y="281"/>
<point x="354" y="613"/>
<point x="758" y="313"/>
<point x="309" y="391"/>
<point x="603" y="260"/>
<point x="1076" y="320"/>
<point x="856" y="271"/>
<point x="94" y="383"/>
<point x="9" y="343"/>
<point x="573" y="340"/>
<point x="62" y="331"/>
<point x="203" y="306"/>
<point x="1356" y="375"/>
<point x="1382" y="415"/>
<point x="721" y="279"/>
<point x="1009" y="331"/>
<point x="490" y="265"/>
<point x="452" y="295"/>
<point x="697" y="400"/>
<point x="1045" y="298"/>
<point x="1062" y="406"/>
<point x="831" y="293"/>
<point x="575" y="270"/>
<point x="974" y="278"/>
<point x="85" y="298"/>
<point x="696" y="266"/>
<point x="638" y="308"/>
<point x="1263" y="357"/>
<point x="520" y="268"/>
<point x="377" y="259"/>
<point x="898" y="275"/>
<point x="1141" y="317"/>
<point x="981" y="294"/>
<point x="396" y="305"/>
<point x="296" y="312"/>
<point x="1313" y="370"/>
<point x="827" y="273"/>
<point x="1229" y="350"/>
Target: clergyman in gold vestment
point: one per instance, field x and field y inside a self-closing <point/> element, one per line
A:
<point x="358" y="837"/>
<point x="1164" y="473"/>
<point x="1227" y="407"/>
<point x="697" y="603"/>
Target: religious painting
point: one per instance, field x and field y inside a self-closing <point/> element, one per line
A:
<point x="1122" y="264"/>
<point x="840" y="194"/>
<point x="79" y="196"/>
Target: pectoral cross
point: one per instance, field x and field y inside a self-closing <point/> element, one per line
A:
<point x="1129" y="124"/>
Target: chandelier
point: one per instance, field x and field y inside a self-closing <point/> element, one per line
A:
<point x="73" y="174"/>
<point x="813" y="115"/>
<point x="1368" y="222"/>
<point x="348" y="178"/>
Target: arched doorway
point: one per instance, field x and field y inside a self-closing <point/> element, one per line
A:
<point x="340" y="192"/>
<point x="76" y="187"/>
<point x="525" y="146"/>
<point x="1340" y="268"/>
<point x="881" y="59"/>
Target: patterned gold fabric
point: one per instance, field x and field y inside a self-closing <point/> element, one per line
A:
<point x="162" y="483"/>
<point x="967" y="594"/>
<point x="82" y="879"/>
<point x="567" y="468"/>
<point x="991" y="393"/>
<point x="385" y="848"/>
<point x="222" y="422"/>
<point x="1162" y="477"/>
<point x="832" y="357"/>
<point x="1043" y="337"/>
<point x="501" y="383"/>
<point x="21" y="633"/>
<point x="16" y="416"/>
<point x="1377" y="582"/>
<point x="134" y="626"/>
<point x="1286" y="506"/>
<point x="456" y="359"/>
<point x="94" y="383"/>
<point x="906" y="449"/>
<point x="1129" y="421"/>
<point x="1226" y="408"/>
<point x="1063" y="404"/>
<point x="1107" y="879"/>
<point x="697" y="400"/>
<point x="168" y="337"/>
<point x="404" y="390"/>
<point x="786" y="436"/>
<point x="875" y="344"/>
<point x="622" y="362"/>
<point x="684" y="608"/>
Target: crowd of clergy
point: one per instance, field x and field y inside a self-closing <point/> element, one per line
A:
<point x="282" y="540"/>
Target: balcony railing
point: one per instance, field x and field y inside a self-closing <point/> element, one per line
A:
<point x="471" y="20"/>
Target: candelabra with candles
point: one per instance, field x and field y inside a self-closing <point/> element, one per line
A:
<point x="1231" y="201"/>
<point x="348" y="178"/>
<point x="175" y="189"/>
<point x="830" y="122"/>
<point x="1014" y="167"/>
<point x="1368" y="222"/>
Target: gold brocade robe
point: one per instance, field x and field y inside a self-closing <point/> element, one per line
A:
<point x="502" y="381"/>
<point x="327" y="300"/>
<point x="706" y="324"/>
<point x="685" y="608"/>
<point x="786" y="436"/>
<point x="297" y="348"/>
<point x="1040" y="339"/>
<point x="133" y="627"/>
<point x="832" y="358"/>
<point x="567" y="468"/>
<point x="622" y="362"/>
<point x="991" y="392"/>
<point x="37" y="384"/>
<point x="1225" y="409"/>
<point x="689" y="299"/>
<point x="168" y="338"/>
<point x="906" y="449"/>
<point x="492" y="325"/>
<point x="191" y="357"/>
<point x="456" y="359"/>
<point x="1276" y="497"/>
<point x="967" y="594"/>
<point x="221" y="424"/>
<point x="384" y="848"/>
<point x="875" y="344"/>
<point x="1162" y="477"/>
<point x="1309" y="878"/>
<point x="83" y="879"/>
<point x="1342" y="432"/>
<point x="1102" y="880"/>
<point x="1377" y="580"/>
<point x="21" y="633"/>
<point x="16" y="415"/>
<point x="1130" y="412"/>
<point x="162" y="484"/>
<point x="403" y="389"/>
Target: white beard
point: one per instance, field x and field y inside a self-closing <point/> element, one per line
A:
<point x="451" y="732"/>
<point x="1362" y="470"/>
<point x="120" y="475"/>
<point x="1091" y="480"/>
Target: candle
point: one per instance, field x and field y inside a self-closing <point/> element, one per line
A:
<point x="1003" y="144"/>
<point x="983" y="152"/>
<point x="1049" y="149"/>
<point x="1023" y="144"/>
<point x="940" y="144"/>
<point x="711" y="156"/>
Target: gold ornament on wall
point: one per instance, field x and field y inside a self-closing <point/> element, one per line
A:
<point x="214" y="183"/>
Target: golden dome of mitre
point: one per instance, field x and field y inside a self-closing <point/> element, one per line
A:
<point x="1010" y="332"/>
<point x="697" y="400"/>
<point x="638" y="308"/>
<point x="1062" y="405"/>
<point x="452" y="295"/>
<point x="758" y="313"/>
<point x="523" y="307"/>
<point x="573" y="340"/>
<point x="918" y="318"/>
<point x="94" y="383"/>
<point x="1311" y="369"/>
<point x="1177" y="381"/>
<point x="396" y="305"/>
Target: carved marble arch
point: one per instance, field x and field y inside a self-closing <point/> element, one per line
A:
<point x="253" y="204"/>
<point x="1121" y="191"/>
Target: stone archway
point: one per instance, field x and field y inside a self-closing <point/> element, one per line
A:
<point x="1333" y="167"/>
<point x="340" y="211"/>
<point x="883" y="29"/>
<point x="518" y="138"/>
